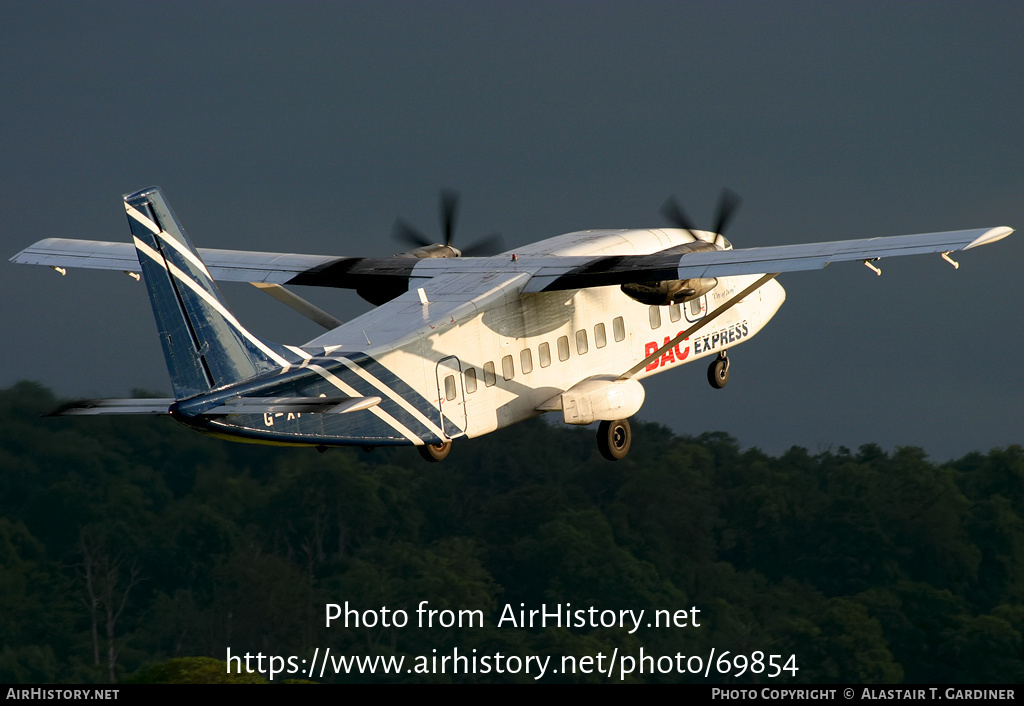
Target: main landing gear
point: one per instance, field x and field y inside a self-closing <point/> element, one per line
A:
<point x="614" y="438"/>
<point x="718" y="371"/>
<point x="435" y="453"/>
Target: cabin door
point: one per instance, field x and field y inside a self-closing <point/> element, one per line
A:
<point x="451" y="397"/>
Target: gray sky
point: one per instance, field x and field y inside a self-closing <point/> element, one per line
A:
<point x="309" y="127"/>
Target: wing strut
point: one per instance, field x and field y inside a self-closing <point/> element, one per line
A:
<point x="697" y="326"/>
<point x="293" y="300"/>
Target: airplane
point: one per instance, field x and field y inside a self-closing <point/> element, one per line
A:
<point x="457" y="345"/>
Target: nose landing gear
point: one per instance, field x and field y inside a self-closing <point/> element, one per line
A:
<point x="718" y="371"/>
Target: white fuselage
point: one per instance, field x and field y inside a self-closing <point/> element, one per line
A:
<point x="488" y="355"/>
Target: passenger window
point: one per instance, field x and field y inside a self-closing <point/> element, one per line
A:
<point x="526" y="361"/>
<point x="673" y="313"/>
<point x="544" y="352"/>
<point x="581" y="341"/>
<point x="618" y="328"/>
<point x="507" y="371"/>
<point x="695" y="308"/>
<point x="489" y="377"/>
<point x="563" y="348"/>
<point x="470" y="380"/>
<point x="655" y="316"/>
<point x="600" y="340"/>
<point x="449" y="387"/>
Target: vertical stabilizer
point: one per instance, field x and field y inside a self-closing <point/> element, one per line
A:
<point x="204" y="345"/>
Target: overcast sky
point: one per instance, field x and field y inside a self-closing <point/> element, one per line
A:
<point x="309" y="127"/>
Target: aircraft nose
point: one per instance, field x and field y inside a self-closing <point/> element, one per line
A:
<point x="773" y="295"/>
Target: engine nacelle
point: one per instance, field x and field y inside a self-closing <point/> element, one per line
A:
<point x="601" y="397"/>
<point x="669" y="291"/>
<point x="435" y="250"/>
<point x="383" y="288"/>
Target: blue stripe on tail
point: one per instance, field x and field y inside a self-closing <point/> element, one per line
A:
<point x="204" y="346"/>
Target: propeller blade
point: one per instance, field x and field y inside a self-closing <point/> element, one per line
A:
<point x="672" y="211"/>
<point x="406" y="233"/>
<point x="449" y="209"/>
<point x="488" y="245"/>
<point x="728" y="203"/>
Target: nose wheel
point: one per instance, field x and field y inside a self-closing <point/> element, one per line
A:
<point x="718" y="371"/>
<point x="614" y="438"/>
<point x="434" y="453"/>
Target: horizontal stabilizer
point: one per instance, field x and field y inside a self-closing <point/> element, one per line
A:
<point x="143" y="405"/>
<point x="323" y="405"/>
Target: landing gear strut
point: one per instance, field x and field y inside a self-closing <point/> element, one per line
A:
<point x="434" y="453"/>
<point x="718" y="371"/>
<point x="614" y="438"/>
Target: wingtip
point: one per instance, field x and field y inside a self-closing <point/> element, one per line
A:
<point x="990" y="236"/>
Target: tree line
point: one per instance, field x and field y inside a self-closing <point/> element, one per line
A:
<point x="128" y="542"/>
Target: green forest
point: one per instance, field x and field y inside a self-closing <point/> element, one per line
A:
<point x="129" y="542"/>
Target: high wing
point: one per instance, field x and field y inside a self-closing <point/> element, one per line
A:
<point x="548" y="272"/>
<point x="601" y="271"/>
<point x="224" y="265"/>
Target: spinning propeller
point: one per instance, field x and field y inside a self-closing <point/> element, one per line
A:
<point x="728" y="203"/>
<point x="488" y="245"/>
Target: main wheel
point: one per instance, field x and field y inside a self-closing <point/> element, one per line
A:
<point x="613" y="439"/>
<point x="718" y="373"/>
<point x="435" y="452"/>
